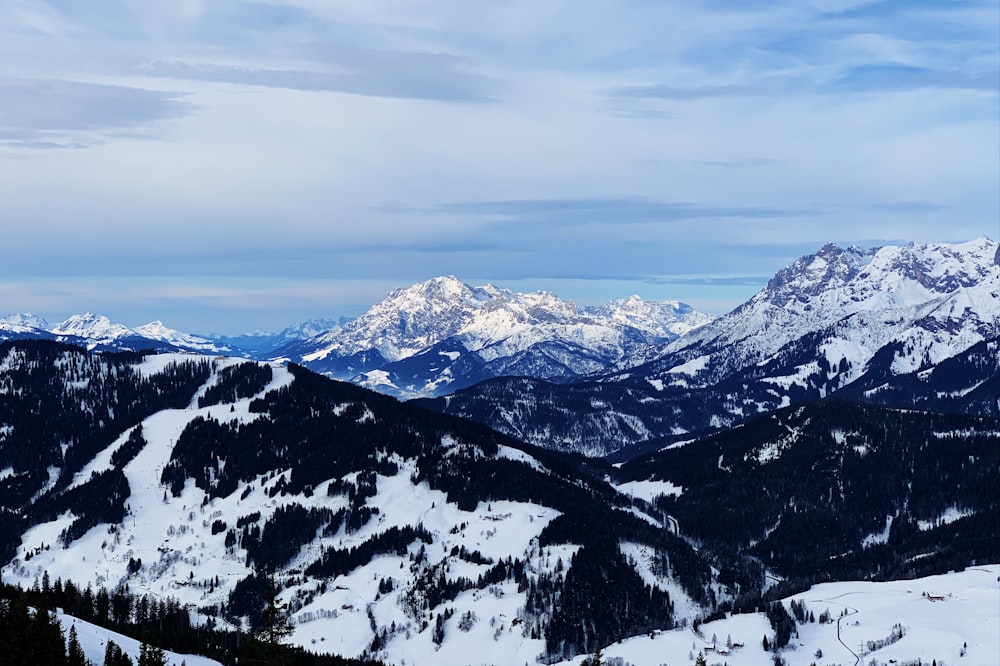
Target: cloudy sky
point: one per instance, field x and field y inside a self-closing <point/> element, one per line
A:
<point x="227" y="165"/>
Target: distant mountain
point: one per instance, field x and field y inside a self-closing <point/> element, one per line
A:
<point x="97" y="332"/>
<point x="261" y="344"/>
<point x="24" y="320"/>
<point x="157" y="331"/>
<point x="97" y="328"/>
<point x="442" y="334"/>
<point x="819" y="326"/>
<point x="932" y="300"/>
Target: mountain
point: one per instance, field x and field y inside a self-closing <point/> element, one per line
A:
<point x="409" y="535"/>
<point x="100" y="333"/>
<point x="820" y="325"/>
<point x="933" y="300"/>
<point x="261" y="344"/>
<point x="388" y="527"/>
<point x="157" y="331"/>
<point x="863" y="485"/>
<point x="97" y="328"/>
<point x="442" y="334"/>
<point x="25" y="320"/>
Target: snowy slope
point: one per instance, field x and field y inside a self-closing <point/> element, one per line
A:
<point x="969" y="616"/>
<point x="94" y="640"/>
<point x="471" y="510"/>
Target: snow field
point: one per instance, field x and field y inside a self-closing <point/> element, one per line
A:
<point x="94" y="640"/>
<point x="969" y="614"/>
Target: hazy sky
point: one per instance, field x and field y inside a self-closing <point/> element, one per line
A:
<point x="229" y="165"/>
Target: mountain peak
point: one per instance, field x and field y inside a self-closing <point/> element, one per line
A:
<point x="91" y="326"/>
<point x="26" y="319"/>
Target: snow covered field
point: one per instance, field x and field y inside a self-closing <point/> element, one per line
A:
<point x="967" y="619"/>
<point x="94" y="641"/>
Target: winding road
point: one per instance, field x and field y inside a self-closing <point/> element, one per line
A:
<point x="853" y="611"/>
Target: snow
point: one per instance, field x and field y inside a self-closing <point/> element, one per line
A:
<point x="649" y="490"/>
<point x="94" y="639"/>
<point x="969" y="614"/>
<point x="691" y="367"/>
<point x="879" y="537"/>
<point x="510" y="453"/>
<point x="947" y="517"/>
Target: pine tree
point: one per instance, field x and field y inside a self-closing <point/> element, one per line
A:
<point x="45" y="639"/>
<point x="267" y="644"/>
<point x="113" y="655"/>
<point x="75" y="656"/>
<point x="150" y="655"/>
<point x="700" y="660"/>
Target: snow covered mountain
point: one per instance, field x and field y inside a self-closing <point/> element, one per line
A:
<point x="98" y="332"/>
<point x="389" y="527"/>
<point x="262" y="344"/>
<point x="419" y="538"/>
<point x="442" y="334"/>
<point x="156" y="330"/>
<point x="820" y="325"/>
<point x="97" y="328"/>
<point x="932" y="300"/>
<point x="24" y="320"/>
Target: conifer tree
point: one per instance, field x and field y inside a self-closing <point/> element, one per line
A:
<point x="267" y="644"/>
<point x="75" y="655"/>
<point x="150" y="655"/>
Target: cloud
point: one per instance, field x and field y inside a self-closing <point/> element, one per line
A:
<point x="613" y="210"/>
<point x="53" y="113"/>
<point x="424" y="76"/>
<point x="907" y="207"/>
<point x="747" y="163"/>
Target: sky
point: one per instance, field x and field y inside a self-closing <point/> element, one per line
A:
<point x="225" y="165"/>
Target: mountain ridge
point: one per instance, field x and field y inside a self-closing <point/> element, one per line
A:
<point x="821" y="324"/>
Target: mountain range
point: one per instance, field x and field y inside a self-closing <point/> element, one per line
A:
<point x="861" y="323"/>
<point x="425" y="340"/>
